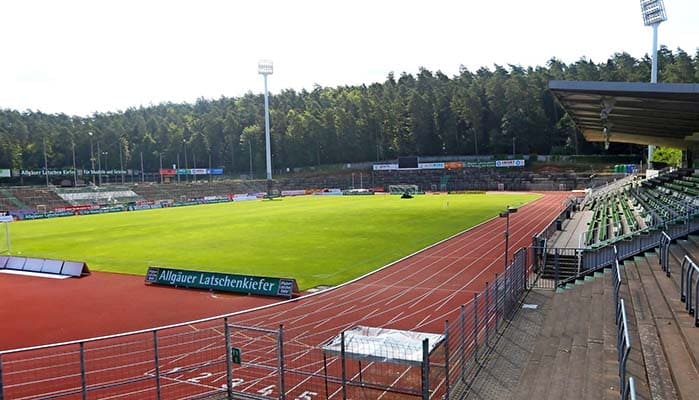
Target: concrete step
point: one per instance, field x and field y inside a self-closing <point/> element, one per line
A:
<point x="539" y="366"/>
<point x="679" y="336"/>
<point x="593" y="385"/>
<point x="647" y="362"/>
<point x="610" y="369"/>
<point x="568" y="359"/>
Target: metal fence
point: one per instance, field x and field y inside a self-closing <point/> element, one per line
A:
<point x="469" y="338"/>
<point x="554" y="264"/>
<point x="219" y="359"/>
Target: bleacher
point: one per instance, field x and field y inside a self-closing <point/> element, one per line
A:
<point x="637" y="208"/>
<point x="31" y="198"/>
<point x="97" y="195"/>
<point x="625" y="332"/>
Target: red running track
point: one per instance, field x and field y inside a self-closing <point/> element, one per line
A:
<point x="417" y="293"/>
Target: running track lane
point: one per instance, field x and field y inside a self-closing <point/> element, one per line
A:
<point x="418" y="293"/>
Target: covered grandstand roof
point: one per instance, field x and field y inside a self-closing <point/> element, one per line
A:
<point x="662" y="114"/>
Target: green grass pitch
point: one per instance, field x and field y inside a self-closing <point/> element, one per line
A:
<point x="319" y="240"/>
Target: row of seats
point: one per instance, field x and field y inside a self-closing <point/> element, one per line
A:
<point x="635" y="207"/>
<point x="615" y="215"/>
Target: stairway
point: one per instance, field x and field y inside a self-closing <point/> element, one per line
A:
<point x="567" y="266"/>
<point x="669" y="338"/>
<point x="571" y="354"/>
<point x="14" y="200"/>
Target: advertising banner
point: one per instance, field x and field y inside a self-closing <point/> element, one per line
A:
<point x="266" y="286"/>
<point x="168" y="171"/>
<point x="385" y="167"/>
<point x="432" y="165"/>
<point x="453" y="165"/>
<point x="509" y="163"/>
<point x="5" y="173"/>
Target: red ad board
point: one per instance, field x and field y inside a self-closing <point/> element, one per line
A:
<point x="168" y="171"/>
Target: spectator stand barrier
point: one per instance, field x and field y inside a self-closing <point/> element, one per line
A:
<point x="630" y="392"/>
<point x="664" y="249"/>
<point x="623" y="345"/>
<point x="689" y="284"/>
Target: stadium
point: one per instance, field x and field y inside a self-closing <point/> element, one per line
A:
<point x="361" y="242"/>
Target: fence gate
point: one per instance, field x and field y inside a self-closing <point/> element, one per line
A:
<point x="255" y="361"/>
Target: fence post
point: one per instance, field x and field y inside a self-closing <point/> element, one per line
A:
<point x="229" y="361"/>
<point x="425" y="370"/>
<point x="555" y="268"/>
<point x="2" y="391"/>
<point x="463" y="345"/>
<point x="446" y="359"/>
<point x="487" y="312"/>
<point x="342" y="361"/>
<point x="157" y="363"/>
<point x="475" y="326"/>
<point x="282" y="384"/>
<point x="83" y="378"/>
<point x="505" y="304"/>
<point x="497" y="300"/>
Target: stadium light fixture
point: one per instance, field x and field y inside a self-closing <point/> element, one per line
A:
<point x="92" y="159"/>
<point x="653" y="12"/>
<point x="506" y="214"/>
<point x="265" y="68"/>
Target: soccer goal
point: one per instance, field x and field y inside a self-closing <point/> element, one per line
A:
<point x="402" y="189"/>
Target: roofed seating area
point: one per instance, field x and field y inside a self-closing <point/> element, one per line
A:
<point x="637" y="207"/>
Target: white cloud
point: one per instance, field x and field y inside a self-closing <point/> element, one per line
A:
<point x="78" y="57"/>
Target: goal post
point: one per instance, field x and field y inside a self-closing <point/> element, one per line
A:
<point x="5" y="234"/>
<point x="402" y="189"/>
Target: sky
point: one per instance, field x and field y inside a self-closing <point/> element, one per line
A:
<point x="80" y="57"/>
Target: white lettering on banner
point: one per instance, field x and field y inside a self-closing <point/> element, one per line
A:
<point x="385" y="167"/>
<point x="509" y="163"/>
<point x="434" y="165"/>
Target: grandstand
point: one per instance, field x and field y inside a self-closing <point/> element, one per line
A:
<point x="97" y="195"/>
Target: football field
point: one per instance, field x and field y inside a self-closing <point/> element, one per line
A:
<point x="319" y="240"/>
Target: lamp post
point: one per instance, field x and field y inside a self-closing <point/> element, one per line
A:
<point x="653" y="12"/>
<point x="106" y="168"/>
<point x="177" y="172"/>
<point x="186" y="164"/>
<point x="121" y="162"/>
<point x="506" y="214"/>
<point x="250" y="153"/>
<point x="92" y="159"/>
<point x="265" y="68"/>
<point x="99" y="162"/>
<point x="46" y="164"/>
<point x="75" y="171"/>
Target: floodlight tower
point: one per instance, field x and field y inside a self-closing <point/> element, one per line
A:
<point x="653" y="12"/>
<point x="265" y="68"/>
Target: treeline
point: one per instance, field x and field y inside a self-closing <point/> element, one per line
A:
<point x="481" y="112"/>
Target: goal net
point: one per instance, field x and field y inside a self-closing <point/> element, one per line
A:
<point x="401" y="189"/>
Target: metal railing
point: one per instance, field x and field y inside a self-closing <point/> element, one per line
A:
<point x="630" y="392"/>
<point x="687" y="283"/>
<point x="623" y="344"/>
<point x="616" y="279"/>
<point x="664" y="248"/>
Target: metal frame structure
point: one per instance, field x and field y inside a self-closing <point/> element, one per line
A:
<point x="266" y="68"/>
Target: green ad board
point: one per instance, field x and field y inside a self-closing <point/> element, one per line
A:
<point x="262" y="285"/>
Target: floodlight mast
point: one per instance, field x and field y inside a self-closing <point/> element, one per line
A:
<point x="653" y="12"/>
<point x="265" y="68"/>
